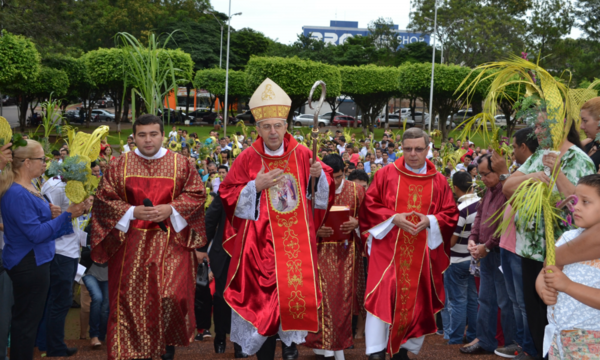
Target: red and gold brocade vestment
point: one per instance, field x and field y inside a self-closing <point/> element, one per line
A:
<point x="342" y="280"/>
<point x="151" y="273"/>
<point x="405" y="287"/>
<point x="273" y="271"/>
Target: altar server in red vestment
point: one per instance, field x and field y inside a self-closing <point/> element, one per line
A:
<point x="340" y="267"/>
<point x="273" y="281"/>
<point x="407" y="219"/>
<point x="152" y="273"/>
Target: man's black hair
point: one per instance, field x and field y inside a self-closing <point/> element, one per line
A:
<point x="351" y="166"/>
<point x="335" y="162"/>
<point x="450" y="138"/>
<point x="487" y="157"/>
<point x="223" y="167"/>
<point x="448" y="171"/>
<point x="342" y="138"/>
<point x="148" y="119"/>
<point x="462" y="180"/>
<point x="223" y="138"/>
<point x="469" y="156"/>
<point x="358" y="175"/>
<point x="391" y="144"/>
<point x="55" y="152"/>
<point x="64" y="149"/>
<point x="527" y="136"/>
<point x="93" y="165"/>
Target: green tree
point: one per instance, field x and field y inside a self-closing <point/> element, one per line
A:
<point x="548" y="22"/>
<point x="81" y="85"/>
<point x="213" y="81"/>
<point x="107" y="69"/>
<point x="245" y="43"/>
<point x="295" y="76"/>
<point x="49" y="23"/>
<point x="31" y="91"/>
<point x="416" y="79"/>
<point x="588" y="13"/>
<point x="489" y="31"/>
<point x="370" y="87"/>
<point x="19" y="59"/>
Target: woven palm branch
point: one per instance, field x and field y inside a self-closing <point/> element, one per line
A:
<point x="5" y="131"/>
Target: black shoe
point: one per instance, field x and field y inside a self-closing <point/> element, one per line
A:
<point x="219" y="346"/>
<point x="351" y="347"/>
<point x="289" y="352"/>
<point x="378" y="355"/>
<point x="199" y="337"/>
<point x="402" y="355"/>
<point x="239" y="354"/>
<point x="475" y="349"/>
<point x="68" y="352"/>
<point x="206" y="334"/>
<point x="170" y="354"/>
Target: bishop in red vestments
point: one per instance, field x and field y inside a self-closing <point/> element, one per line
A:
<point x="272" y="282"/>
<point x="340" y="270"/>
<point x="407" y="219"/>
<point x="152" y="273"/>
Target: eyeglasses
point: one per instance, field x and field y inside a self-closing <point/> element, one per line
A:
<point x="409" y="150"/>
<point x="485" y="174"/>
<point x="41" y="159"/>
<point x="277" y="126"/>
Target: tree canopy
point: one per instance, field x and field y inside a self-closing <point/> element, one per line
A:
<point x="19" y="59"/>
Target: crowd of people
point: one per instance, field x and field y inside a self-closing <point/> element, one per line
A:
<point x="402" y="242"/>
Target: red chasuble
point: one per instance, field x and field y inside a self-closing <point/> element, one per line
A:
<point x="405" y="285"/>
<point x="341" y="275"/>
<point x="273" y="270"/>
<point x="151" y="273"/>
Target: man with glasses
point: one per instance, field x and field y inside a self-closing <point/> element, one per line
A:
<point x="407" y="220"/>
<point x="272" y="280"/>
<point x="341" y="270"/>
<point x="483" y="246"/>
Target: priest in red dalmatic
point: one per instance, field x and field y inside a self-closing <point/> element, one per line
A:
<point x="341" y="270"/>
<point x="152" y="272"/>
<point x="272" y="283"/>
<point x="407" y="220"/>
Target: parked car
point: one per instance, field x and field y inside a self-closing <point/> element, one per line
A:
<point x="344" y="120"/>
<point x="461" y="115"/>
<point x="308" y="120"/>
<point x="246" y="116"/>
<point x="8" y="100"/>
<point x="329" y="114"/>
<point x="449" y="124"/>
<point x="418" y="118"/>
<point x="500" y="120"/>
<point x="102" y="115"/>
<point x="104" y="103"/>
<point x="396" y="120"/>
<point x="402" y="112"/>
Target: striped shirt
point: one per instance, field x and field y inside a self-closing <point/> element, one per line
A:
<point x="467" y="211"/>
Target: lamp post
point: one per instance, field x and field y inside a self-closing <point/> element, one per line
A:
<point x="227" y="69"/>
<point x="439" y="36"/>
<point x="220" y="23"/>
<point x="432" y="71"/>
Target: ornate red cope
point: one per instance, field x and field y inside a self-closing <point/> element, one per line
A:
<point x="151" y="273"/>
<point x="254" y="275"/>
<point x="405" y="285"/>
<point x="409" y="251"/>
<point x="295" y="273"/>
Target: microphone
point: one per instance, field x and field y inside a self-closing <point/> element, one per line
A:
<point x="148" y="203"/>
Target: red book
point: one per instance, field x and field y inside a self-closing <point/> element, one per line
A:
<point x="335" y="218"/>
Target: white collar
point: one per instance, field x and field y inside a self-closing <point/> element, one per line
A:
<point x="277" y="152"/>
<point x="339" y="189"/>
<point x="422" y="170"/>
<point x="162" y="152"/>
<point x="467" y="197"/>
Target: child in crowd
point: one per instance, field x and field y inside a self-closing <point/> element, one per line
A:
<point x="573" y="293"/>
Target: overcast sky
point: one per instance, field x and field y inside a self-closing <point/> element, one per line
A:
<point x="282" y="20"/>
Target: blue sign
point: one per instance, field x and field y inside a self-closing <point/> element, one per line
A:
<point x="339" y="31"/>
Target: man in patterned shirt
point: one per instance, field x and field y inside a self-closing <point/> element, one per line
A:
<point x="530" y="244"/>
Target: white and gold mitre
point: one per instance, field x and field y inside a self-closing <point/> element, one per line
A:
<point x="269" y="101"/>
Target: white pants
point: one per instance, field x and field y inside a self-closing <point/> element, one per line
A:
<point x="338" y="355"/>
<point x="377" y="333"/>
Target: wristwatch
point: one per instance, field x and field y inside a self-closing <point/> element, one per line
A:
<point x="486" y="249"/>
<point x="504" y="177"/>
